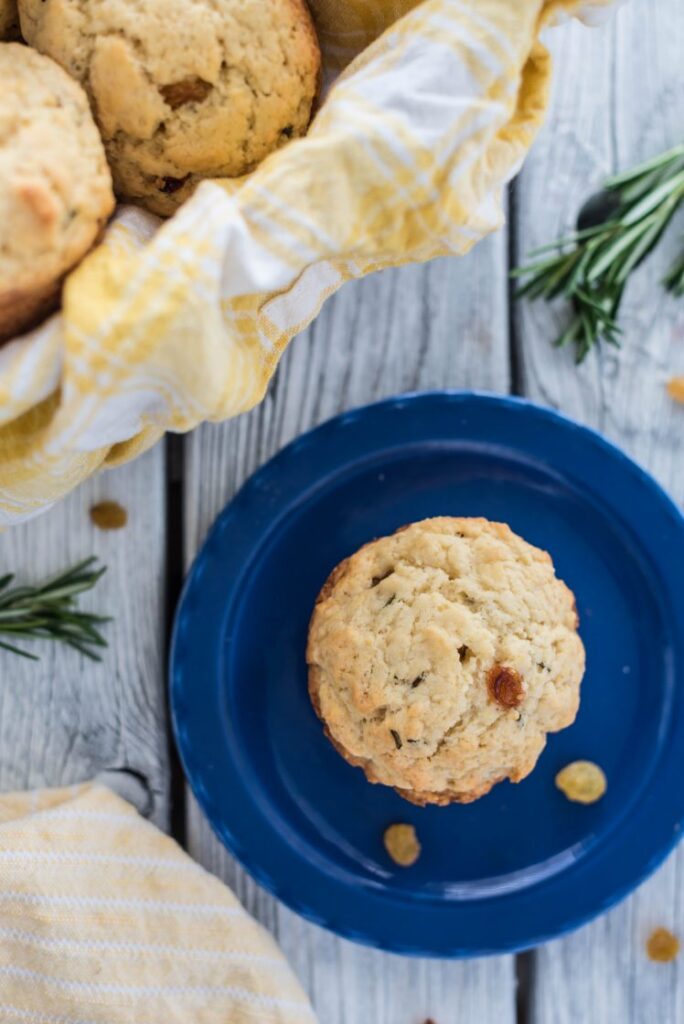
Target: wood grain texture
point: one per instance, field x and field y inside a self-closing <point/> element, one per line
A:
<point x="618" y="98"/>
<point x="64" y="719"/>
<point x="442" y="325"/>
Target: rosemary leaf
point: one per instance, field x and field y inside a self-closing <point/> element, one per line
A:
<point x="612" y="250"/>
<point x="17" y="650"/>
<point x="640" y="170"/>
<point x="642" y="248"/>
<point x="674" y="279"/>
<point x="14" y="596"/>
<point x="653" y="199"/>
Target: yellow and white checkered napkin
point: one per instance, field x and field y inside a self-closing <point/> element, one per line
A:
<point x="163" y="327"/>
<point x="104" y="920"/>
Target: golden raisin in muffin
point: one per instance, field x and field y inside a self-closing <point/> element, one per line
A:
<point x="441" y="656"/>
<point x="184" y="89"/>
<point x="55" y="186"/>
<point x="9" y="19"/>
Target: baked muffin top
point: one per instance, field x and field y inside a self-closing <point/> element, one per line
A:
<point x="184" y="89"/>
<point x="55" y="186"/>
<point x="441" y="656"/>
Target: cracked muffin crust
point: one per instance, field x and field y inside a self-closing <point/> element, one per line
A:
<point x="184" y="89"/>
<point x="441" y="656"/>
<point x="55" y="186"/>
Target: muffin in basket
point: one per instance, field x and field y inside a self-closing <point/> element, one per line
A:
<point x="184" y="89"/>
<point x="55" y="186"/>
<point x="441" y="656"/>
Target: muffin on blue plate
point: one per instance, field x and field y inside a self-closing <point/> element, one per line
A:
<point x="441" y="656"/>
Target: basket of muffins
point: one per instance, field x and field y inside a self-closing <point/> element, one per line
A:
<point x="183" y="184"/>
<point x="140" y="101"/>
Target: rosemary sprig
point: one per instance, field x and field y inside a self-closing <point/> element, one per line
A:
<point x="617" y="228"/>
<point x="49" y="611"/>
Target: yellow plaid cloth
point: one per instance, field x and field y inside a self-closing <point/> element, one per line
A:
<point x="104" y="920"/>
<point x="163" y="327"/>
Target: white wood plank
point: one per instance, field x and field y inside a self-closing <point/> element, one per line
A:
<point x="423" y="327"/>
<point x="64" y="719"/>
<point x="618" y="98"/>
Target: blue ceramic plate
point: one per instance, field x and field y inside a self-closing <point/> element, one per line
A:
<point x="522" y="864"/>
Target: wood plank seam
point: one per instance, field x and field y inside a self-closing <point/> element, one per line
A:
<point x="174" y="574"/>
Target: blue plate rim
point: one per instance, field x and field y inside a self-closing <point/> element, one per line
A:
<point x="229" y="839"/>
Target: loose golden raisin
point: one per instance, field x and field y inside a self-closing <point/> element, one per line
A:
<point x="662" y="946"/>
<point x="401" y="842"/>
<point x="582" y="781"/>
<point x="676" y="388"/>
<point x="505" y="686"/>
<point x="109" y="515"/>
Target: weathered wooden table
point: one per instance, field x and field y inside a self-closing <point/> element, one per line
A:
<point x="618" y="98"/>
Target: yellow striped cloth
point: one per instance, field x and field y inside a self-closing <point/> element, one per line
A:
<point x="164" y="327"/>
<point x="105" y="920"/>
